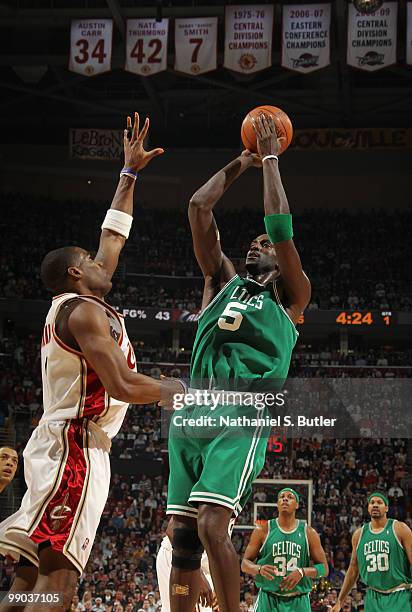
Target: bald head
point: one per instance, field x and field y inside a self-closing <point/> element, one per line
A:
<point x="53" y="270"/>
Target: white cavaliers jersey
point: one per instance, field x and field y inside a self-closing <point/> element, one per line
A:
<point x="71" y="388"/>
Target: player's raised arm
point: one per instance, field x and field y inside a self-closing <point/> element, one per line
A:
<point x="252" y="550"/>
<point x="214" y="264"/>
<point x="89" y="326"/>
<point x="278" y="220"/>
<point x="351" y="575"/>
<point x="118" y="221"/>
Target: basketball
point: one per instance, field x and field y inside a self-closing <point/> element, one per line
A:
<point x="282" y="122"/>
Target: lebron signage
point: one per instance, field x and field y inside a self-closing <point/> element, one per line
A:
<point x="195" y="44"/>
<point x="306" y="37"/>
<point x="91" y="46"/>
<point x="372" y="38"/>
<point x="248" y="38"/>
<point x="96" y="144"/>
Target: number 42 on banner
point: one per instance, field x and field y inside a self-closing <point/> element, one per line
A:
<point x="91" y="46"/>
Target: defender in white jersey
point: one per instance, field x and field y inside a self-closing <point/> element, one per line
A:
<point x="87" y="362"/>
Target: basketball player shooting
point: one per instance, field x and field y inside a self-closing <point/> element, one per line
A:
<point x="246" y="333"/>
<point x="89" y="378"/>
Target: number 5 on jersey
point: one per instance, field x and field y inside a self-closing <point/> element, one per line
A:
<point x="230" y="318"/>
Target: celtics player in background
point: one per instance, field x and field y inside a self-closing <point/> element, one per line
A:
<point x="278" y="556"/>
<point x="245" y="337"/>
<point x="382" y="555"/>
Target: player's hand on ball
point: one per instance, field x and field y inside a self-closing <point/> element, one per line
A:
<point x="135" y="156"/>
<point x="267" y="141"/>
<point x="252" y="158"/>
<point x="290" y="581"/>
<point x="206" y="594"/>
<point x="268" y="571"/>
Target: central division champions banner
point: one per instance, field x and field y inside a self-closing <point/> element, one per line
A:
<point x="372" y="38"/>
<point x="91" y="46"/>
<point x="409" y="35"/>
<point x="248" y="38"/>
<point x="146" y="46"/>
<point x="305" y="36"/>
<point x="195" y="45"/>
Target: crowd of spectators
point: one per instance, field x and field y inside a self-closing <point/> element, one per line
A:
<point x="121" y="575"/>
<point x="346" y="271"/>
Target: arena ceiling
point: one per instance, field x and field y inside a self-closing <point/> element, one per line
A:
<point x="40" y="99"/>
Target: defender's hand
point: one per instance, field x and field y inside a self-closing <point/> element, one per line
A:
<point x="267" y="141"/>
<point x="253" y="159"/>
<point x="171" y="387"/>
<point x="134" y="154"/>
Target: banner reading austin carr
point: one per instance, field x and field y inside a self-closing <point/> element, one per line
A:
<point x="195" y="45"/>
<point x="305" y="36"/>
<point x="248" y="38"/>
<point x="372" y="38"/>
<point x="146" y="46"/>
<point x="91" y="46"/>
<point x="409" y="35"/>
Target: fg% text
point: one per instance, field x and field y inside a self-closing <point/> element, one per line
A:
<point x="134" y="314"/>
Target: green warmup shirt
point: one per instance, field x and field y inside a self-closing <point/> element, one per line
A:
<point x="383" y="564"/>
<point x="244" y="339"/>
<point x="286" y="550"/>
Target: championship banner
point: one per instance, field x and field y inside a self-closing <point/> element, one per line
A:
<point x="91" y="46"/>
<point x="372" y="38"/>
<point x="305" y="37"/>
<point x="352" y="139"/>
<point x="409" y="34"/>
<point x="248" y="38"/>
<point x="146" y="46"/>
<point x="195" y="45"/>
<point x="96" y="144"/>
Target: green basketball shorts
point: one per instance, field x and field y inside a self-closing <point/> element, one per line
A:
<point x="399" y="601"/>
<point x="271" y="602"/>
<point x="214" y="456"/>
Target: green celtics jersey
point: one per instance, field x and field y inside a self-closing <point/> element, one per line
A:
<point x="286" y="550"/>
<point x="244" y="339"/>
<point x="383" y="564"/>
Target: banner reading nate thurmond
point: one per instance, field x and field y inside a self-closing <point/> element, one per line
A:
<point x="305" y="36"/>
<point x="96" y="144"/>
<point x="372" y="38"/>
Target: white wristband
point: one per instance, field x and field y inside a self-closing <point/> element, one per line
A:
<point x="269" y="157"/>
<point x="301" y="572"/>
<point x="118" y="221"/>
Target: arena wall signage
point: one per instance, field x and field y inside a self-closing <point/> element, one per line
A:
<point x="146" y="46"/>
<point x="369" y="138"/>
<point x="96" y="144"/>
<point x="409" y="34"/>
<point x="91" y="46"/>
<point x="372" y="38"/>
<point x="248" y="38"/>
<point x="196" y="45"/>
<point x="305" y="37"/>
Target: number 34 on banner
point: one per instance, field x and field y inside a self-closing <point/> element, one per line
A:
<point x="91" y="46"/>
<point x="146" y="46"/>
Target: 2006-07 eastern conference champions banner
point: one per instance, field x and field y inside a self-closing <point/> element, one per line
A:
<point x="248" y="38"/>
<point x="372" y="38"/>
<point x="196" y="45"/>
<point x="305" y="37"/>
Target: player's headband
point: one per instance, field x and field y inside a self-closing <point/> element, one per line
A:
<point x="381" y="495"/>
<point x="290" y="491"/>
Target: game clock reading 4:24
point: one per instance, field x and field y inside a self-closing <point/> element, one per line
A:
<point x="364" y="318"/>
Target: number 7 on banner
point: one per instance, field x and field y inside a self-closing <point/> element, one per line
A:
<point x="91" y="46"/>
<point x="146" y="46"/>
